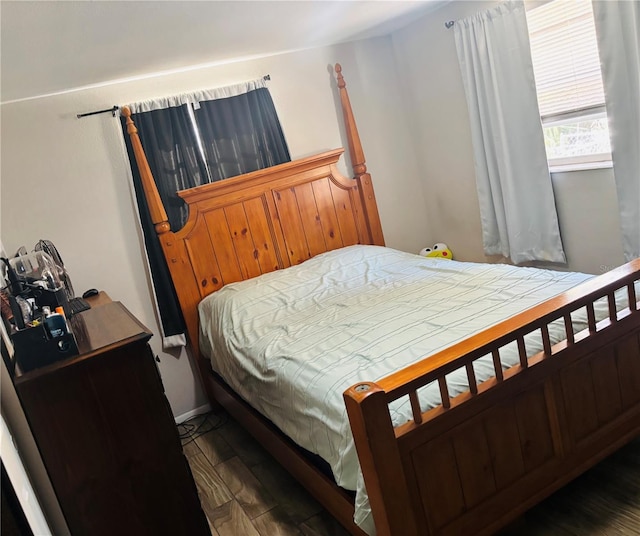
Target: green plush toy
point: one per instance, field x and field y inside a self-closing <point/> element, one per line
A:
<point x="439" y="250"/>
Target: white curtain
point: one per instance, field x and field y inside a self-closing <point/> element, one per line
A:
<point x="618" y="31"/>
<point x="517" y="204"/>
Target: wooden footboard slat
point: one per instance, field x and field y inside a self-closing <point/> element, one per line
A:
<point x="568" y="326"/>
<point x="546" y="340"/>
<point x="591" y="318"/>
<point x="444" y="392"/>
<point x="415" y="407"/>
<point x="497" y="365"/>
<point x="522" y="353"/>
<point x="471" y="377"/>
<point x="613" y="312"/>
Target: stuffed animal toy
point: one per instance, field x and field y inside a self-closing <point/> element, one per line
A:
<point x="439" y="250"/>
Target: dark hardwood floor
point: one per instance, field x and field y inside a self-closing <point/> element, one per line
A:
<point x="244" y="492"/>
<point x="604" y="501"/>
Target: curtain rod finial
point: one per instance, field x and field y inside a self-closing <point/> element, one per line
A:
<point x="449" y="24"/>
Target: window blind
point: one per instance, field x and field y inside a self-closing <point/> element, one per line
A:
<point x="565" y="57"/>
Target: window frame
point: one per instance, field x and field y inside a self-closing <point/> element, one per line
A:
<point x="598" y="111"/>
<point x="578" y="162"/>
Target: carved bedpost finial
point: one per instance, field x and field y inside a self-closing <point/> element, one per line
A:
<point x="353" y="138"/>
<point x="156" y="208"/>
<point x="339" y="76"/>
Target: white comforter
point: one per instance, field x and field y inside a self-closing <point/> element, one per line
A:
<point x="292" y="341"/>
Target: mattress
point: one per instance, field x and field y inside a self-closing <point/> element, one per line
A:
<point x="292" y="341"/>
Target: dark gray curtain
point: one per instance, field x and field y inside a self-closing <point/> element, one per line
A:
<point x="170" y="145"/>
<point x="239" y="134"/>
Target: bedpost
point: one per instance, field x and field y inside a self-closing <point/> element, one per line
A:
<point x="355" y="146"/>
<point x="375" y="441"/>
<point x="174" y="251"/>
<point x="156" y="208"/>
<point x="358" y="163"/>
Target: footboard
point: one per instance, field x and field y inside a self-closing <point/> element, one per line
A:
<point x="480" y="459"/>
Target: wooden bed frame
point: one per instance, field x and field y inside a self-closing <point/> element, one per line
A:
<point x="480" y="459"/>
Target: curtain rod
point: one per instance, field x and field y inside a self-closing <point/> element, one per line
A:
<point x="114" y="109"/>
<point x="449" y="24"/>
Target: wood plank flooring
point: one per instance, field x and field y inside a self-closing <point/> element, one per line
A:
<point x="244" y="492"/>
<point x="604" y="501"/>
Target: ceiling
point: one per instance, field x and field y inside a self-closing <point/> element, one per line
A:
<point x="52" y="46"/>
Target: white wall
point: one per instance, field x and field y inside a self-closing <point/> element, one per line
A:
<point x="589" y="219"/>
<point x="432" y="85"/>
<point x="67" y="179"/>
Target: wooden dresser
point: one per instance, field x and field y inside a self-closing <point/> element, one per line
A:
<point x="106" y="433"/>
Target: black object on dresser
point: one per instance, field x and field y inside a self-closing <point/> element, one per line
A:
<point x="106" y="433"/>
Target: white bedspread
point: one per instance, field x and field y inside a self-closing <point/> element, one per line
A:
<point x="292" y="341"/>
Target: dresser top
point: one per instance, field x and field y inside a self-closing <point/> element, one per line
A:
<point x="104" y="327"/>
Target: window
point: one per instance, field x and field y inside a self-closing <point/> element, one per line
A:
<point x="566" y="65"/>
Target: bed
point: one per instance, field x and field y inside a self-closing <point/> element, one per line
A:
<point x="467" y="432"/>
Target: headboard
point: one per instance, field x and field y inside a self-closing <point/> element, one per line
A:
<point x="262" y="221"/>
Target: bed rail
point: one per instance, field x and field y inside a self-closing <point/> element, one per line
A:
<point x="600" y="365"/>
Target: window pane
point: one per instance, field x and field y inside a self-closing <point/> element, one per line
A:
<point x="578" y="137"/>
<point x="565" y="56"/>
<point x="566" y="66"/>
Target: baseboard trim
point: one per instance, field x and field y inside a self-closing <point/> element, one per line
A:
<point x="197" y="411"/>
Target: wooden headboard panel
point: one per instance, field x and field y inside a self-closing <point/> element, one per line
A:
<point x="262" y="221"/>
